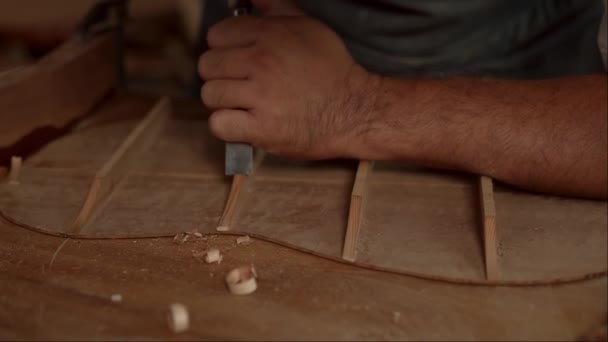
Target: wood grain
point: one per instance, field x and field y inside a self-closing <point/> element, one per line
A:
<point x="421" y="223"/>
<point x="58" y="89"/>
<point x="238" y="182"/>
<point x="116" y="168"/>
<point x="300" y="296"/>
<point x="355" y="213"/>
<point x="488" y="210"/>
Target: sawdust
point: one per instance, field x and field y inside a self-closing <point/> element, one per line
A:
<point x="243" y="240"/>
<point x="116" y="298"/>
<point x="194" y="235"/>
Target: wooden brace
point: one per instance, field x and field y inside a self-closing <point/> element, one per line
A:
<point x="116" y="168"/>
<point x="355" y="213"/>
<point x="488" y="209"/>
<point x="239" y="182"/>
<point x="13" y="176"/>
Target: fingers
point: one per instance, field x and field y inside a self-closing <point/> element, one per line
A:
<point x="232" y="125"/>
<point x="278" y="7"/>
<point x="225" y="64"/>
<point x="234" y="32"/>
<point x="219" y="94"/>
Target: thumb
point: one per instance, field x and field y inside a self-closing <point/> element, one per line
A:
<point x="278" y="7"/>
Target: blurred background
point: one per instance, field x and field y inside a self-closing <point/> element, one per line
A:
<point x="161" y="38"/>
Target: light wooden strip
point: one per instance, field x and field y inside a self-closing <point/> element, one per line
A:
<point x="13" y="176"/>
<point x="239" y="182"/>
<point x="117" y="167"/>
<point x="355" y="213"/>
<point x="488" y="208"/>
<point x="233" y="197"/>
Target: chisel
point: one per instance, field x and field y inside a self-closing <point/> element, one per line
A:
<point x="239" y="156"/>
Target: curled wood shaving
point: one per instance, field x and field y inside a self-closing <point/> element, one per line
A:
<point x="213" y="256"/>
<point x="243" y="240"/>
<point x="178" y="318"/>
<point x="242" y="281"/>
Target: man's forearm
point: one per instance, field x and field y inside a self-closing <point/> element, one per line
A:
<point x="546" y="135"/>
<point x="289" y="85"/>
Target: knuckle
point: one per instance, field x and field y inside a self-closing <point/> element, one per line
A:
<point x="216" y="126"/>
<point x="214" y="35"/>
<point x="208" y="94"/>
<point x="264" y="59"/>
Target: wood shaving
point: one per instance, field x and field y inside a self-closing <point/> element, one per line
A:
<point x="243" y="240"/>
<point x="222" y="229"/>
<point x="182" y="238"/>
<point x="57" y="252"/>
<point x="116" y="298"/>
<point x="213" y="256"/>
<point x="178" y="318"/>
<point x="195" y="233"/>
<point x="242" y="281"/>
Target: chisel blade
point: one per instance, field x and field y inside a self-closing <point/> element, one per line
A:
<point x="239" y="159"/>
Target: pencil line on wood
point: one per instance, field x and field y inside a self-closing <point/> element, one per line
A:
<point x="355" y="213"/>
<point x="116" y="168"/>
<point x="488" y="209"/>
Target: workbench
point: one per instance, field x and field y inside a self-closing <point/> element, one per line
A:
<point x="61" y="288"/>
<point x="300" y="296"/>
<point x="412" y="261"/>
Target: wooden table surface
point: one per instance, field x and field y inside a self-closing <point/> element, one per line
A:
<point x="300" y="297"/>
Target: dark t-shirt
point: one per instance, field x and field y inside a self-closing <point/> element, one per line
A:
<point x="504" y="38"/>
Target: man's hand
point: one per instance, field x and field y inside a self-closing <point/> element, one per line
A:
<point x="286" y="84"/>
<point x="289" y="85"/>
